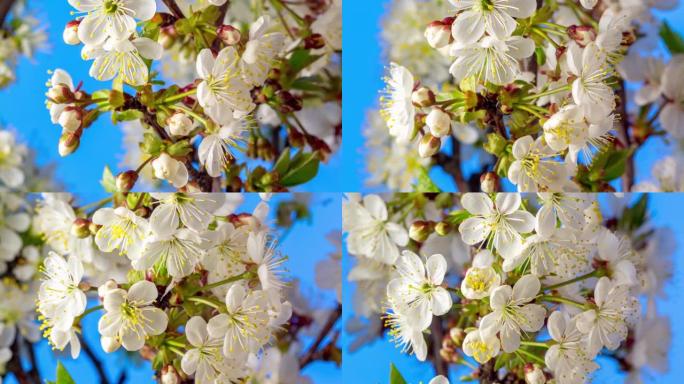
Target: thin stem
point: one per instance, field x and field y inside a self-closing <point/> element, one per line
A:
<point x="546" y="93"/>
<point x="310" y="354"/>
<point x="243" y="276"/>
<point x="90" y="310"/>
<point x="534" y="344"/>
<point x="174" y="8"/>
<point x="204" y="301"/>
<point x="594" y="273"/>
<point x="96" y="205"/>
<point x="180" y="96"/>
<point x="562" y="300"/>
<point x="5" y="8"/>
<point x="140" y="168"/>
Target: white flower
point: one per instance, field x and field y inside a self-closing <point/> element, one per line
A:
<point x="407" y="332"/>
<point x="480" y="279"/>
<point x="480" y="346"/>
<point x="370" y="233"/>
<point x="397" y="106"/>
<point x="61" y="338"/>
<point x="512" y="314"/>
<point x="491" y="60"/>
<point x="534" y="167"/>
<point x="329" y="25"/>
<point x="59" y="297"/>
<point x="329" y="271"/>
<point x="121" y="229"/>
<point x="169" y="169"/>
<point x="652" y="342"/>
<point x="568" y="209"/>
<point x="195" y="211"/>
<point x="589" y="88"/>
<point x="111" y="18"/>
<point x="260" y="51"/>
<point x="224" y="259"/>
<point x="244" y="325"/>
<point x="11" y="224"/>
<point x="261" y="252"/>
<point x="562" y="254"/>
<point x="568" y="359"/>
<point x="204" y="359"/>
<point x="617" y="252"/>
<point x="418" y="287"/>
<point x="672" y="115"/>
<point x="222" y="90"/>
<point x="131" y="316"/>
<point x="178" y="252"/>
<point x="55" y="220"/>
<point x="11" y="159"/>
<point x="214" y="153"/>
<point x="501" y="222"/>
<point x="496" y="17"/>
<point x="125" y="59"/>
<point x="607" y="324"/>
<point x="180" y="124"/>
<point x="439" y="380"/>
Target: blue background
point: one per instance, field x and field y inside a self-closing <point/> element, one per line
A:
<point x="371" y="364"/>
<point x="305" y="245"/>
<point x="23" y="110"/>
<point x="363" y="69"/>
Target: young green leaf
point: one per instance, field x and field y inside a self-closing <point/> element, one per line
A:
<point x="395" y="375"/>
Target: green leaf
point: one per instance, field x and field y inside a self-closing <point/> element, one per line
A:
<point x="152" y="144"/>
<point x="425" y="183"/>
<point x="179" y="149"/>
<point x="457" y="217"/>
<point x="283" y="163"/>
<point x="63" y="376"/>
<point x="303" y="167"/>
<point x="108" y="180"/>
<point x="395" y="375"/>
<point x="300" y="59"/>
<point x="128" y="115"/>
<point x="672" y="39"/>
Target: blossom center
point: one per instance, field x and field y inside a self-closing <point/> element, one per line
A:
<point x="111" y="6"/>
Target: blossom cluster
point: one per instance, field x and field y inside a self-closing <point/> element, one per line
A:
<point x="21" y="35"/>
<point x="529" y="287"/>
<point x="180" y="275"/>
<point x="266" y="85"/>
<point x="537" y="92"/>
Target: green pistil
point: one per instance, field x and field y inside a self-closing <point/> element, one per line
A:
<point x="487" y="5"/>
<point x="111" y="6"/>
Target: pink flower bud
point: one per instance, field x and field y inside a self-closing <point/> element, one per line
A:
<point x="180" y="124"/>
<point x="70" y="34"/>
<point x="439" y="122"/>
<point x="582" y="34"/>
<point x="71" y="119"/>
<point x="429" y="145"/>
<point x="229" y="34"/>
<point x="438" y="34"/>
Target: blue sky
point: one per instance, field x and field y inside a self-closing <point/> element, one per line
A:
<point x="364" y="66"/>
<point x="305" y="246"/>
<point x="24" y="110"/>
<point x="371" y="363"/>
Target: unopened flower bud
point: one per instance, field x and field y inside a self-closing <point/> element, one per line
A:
<point x="439" y="122"/>
<point x="423" y="97"/>
<point x="70" y="34"/>
<point x="420" y="230"/>
<point x="109" y="344"/>
<point x="71" y="119"/>
<point x="582" y="34"/>
<point x="169" y="375"/>
<point x="79" y="228"/>
<point x="229" y="34"/>
<point x="180" y="124"/>
<point x="438" y="34"/>
<point x="457" y="335"/>
<point x="489" y="182"/>
<point x="60" y="94"/>
<point x="68" y="143"/>
<point x="534" y="374"/>
<point x="429" y="145"/>
<point x="126" y="180"/>
<point x="167" y="36"/>
<point x="315" y="41"/>
<point x="109" y="285"/>
<point x="442" y="228"/>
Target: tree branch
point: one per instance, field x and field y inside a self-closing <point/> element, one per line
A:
<point x="174" y="8"/>
<point x="95" y="360"/>
<point x="5" y="8"/>
<point x="14" y="365"/>
<point x="628" y="177"/>
<point x="437" y="334"/>
<point x="327" y="328"/>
